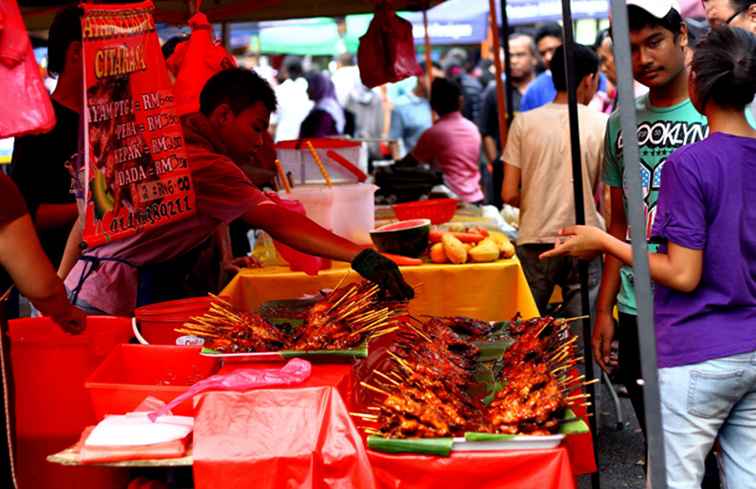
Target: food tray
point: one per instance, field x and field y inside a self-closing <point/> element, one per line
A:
<point x="471" y="443"/>
<point x="272" y="356"/>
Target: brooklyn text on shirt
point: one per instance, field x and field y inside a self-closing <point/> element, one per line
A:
<point x="659" y="134"/>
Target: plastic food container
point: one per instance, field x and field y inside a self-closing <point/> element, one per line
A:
<point x="318" y="201"/>
<point x="354" y="211"/>
<point x="132" y="372"/>
<point x="298" y="261"/>
<point x="438" y="211"/>
<point x="297" y="160"/>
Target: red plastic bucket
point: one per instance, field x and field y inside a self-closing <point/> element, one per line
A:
<point x="132" y="372"/>
<point x="51" y="404"/>
<point x="157" y="322"/>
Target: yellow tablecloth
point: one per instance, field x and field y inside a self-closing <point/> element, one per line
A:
<point x="487" y="291"/>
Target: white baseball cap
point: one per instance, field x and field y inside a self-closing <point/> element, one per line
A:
<point x="657" y="8"/>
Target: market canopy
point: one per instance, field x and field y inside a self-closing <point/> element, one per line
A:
<point x="38" y="14"/>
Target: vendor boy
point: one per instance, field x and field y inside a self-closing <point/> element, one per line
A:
<point x="235" y="107"/>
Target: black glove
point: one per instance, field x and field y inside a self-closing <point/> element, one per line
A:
<point x="379" y="269"/>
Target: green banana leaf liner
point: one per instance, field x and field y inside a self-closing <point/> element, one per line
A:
<point x="497" y="342"/>
<point x="425" y="446"/>
<point x="357" y="352"/>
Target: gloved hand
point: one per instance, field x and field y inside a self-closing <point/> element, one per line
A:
<point x="379" y="269"/>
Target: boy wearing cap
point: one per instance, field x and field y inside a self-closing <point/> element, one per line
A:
<point x="666" y="120"/>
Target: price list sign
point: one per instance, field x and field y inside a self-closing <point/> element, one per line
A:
<point x="136" y="173"/>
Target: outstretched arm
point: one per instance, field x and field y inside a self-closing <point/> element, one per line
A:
<point x="680" y="268"/>
<point x="22" y="256"/>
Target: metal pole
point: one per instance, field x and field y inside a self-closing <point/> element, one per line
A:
<point x="577" y="181"/>
<point x="507" y="64"/>
<point x="498" y="165"/>
<point x="642" y="278"/>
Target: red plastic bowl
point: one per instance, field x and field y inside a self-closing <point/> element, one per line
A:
<point x="438" y="211"/>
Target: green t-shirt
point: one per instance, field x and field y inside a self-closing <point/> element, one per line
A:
<point x="661" y="130"/>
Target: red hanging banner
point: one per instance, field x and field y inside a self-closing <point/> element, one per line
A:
<point x="136" y="171"/>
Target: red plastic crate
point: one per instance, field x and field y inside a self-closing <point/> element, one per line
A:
<point x="133" y="372"/>
<point x="438" y="211"/>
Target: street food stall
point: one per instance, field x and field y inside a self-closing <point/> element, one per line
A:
<point x="465" y="383"/>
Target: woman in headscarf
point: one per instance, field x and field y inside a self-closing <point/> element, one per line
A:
<point x="327" y="117"/>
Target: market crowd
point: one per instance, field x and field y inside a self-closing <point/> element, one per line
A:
<point x="696" y="131"/>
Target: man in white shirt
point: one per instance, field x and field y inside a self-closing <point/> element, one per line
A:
<point x="538" y="179"/>
<point x="293" y="102"/>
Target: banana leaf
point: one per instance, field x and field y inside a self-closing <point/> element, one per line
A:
<point x="574" y="425"/>
<point x="426" y="446"/>
<point x="360" y="351"/>
<point x="487" y="437"/>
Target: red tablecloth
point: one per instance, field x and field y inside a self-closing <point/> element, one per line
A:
<point x="525" y="469"/>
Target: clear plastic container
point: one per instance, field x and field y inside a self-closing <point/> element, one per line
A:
<point x="353" y="213"/>
<point x="317" y="200"/>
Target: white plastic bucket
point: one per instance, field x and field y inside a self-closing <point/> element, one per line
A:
<point x="353" y="214"/>
<point x="317" y="200"/>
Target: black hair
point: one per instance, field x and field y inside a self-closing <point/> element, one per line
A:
<point x="65" y="29"/>
<point x="741" y="5"/>
<point x="446" y="96"/>
<point x="639" y="18"/>
<point x="586" y="63"/>
<point x="170" y="45"/>
<point x="293" y="65"/>
<point x="550" y="29"/>
<point x="237" y="87"/>
<point x="725" y="68"/>
<point x="531" y="43"/>
<point x="602" y="35"/>
<point x="434" y="64"/>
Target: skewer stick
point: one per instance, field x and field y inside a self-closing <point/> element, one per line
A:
<point x="371" y="431"/>
<point x="381" y="374"/>
<point x="420" y="333"/>
<point x="319" y="162"/>
<point x="282" y="176"/>
<point x="364" y="416"/>
<point x="373" y="408"/>
<point x="576" y="318"/>
<point x="373" y="388"/>
<point x="399" y="360"/>
<point x="383" y="332"/>
<point x="577" y="396"/>
<point x="220" y="300"/>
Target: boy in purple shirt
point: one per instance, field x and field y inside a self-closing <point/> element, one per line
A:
<point x="705" y="296"/>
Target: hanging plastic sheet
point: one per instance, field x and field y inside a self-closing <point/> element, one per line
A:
<point x="29" y="109"/>
<point x="300" y="438"/>
<point x="194" y="62"/>
<point x="387" y="50"/>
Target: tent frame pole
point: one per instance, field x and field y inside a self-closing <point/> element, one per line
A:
<point x="498" y="165"/>
<point x="577" y="181"/>
<point x="642" y="278"/>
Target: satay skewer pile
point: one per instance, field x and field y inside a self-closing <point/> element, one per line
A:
<point x="345" y="318"/>
<point x="426" y="391"/>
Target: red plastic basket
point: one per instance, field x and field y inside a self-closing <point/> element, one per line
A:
<point x="132" y="372"/>
<point x="438" y="211"/>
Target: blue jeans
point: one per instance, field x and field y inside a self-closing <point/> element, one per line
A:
<point x="699" y="403"/>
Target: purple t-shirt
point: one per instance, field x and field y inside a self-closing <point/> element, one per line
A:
<point x="708" y="203"/>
